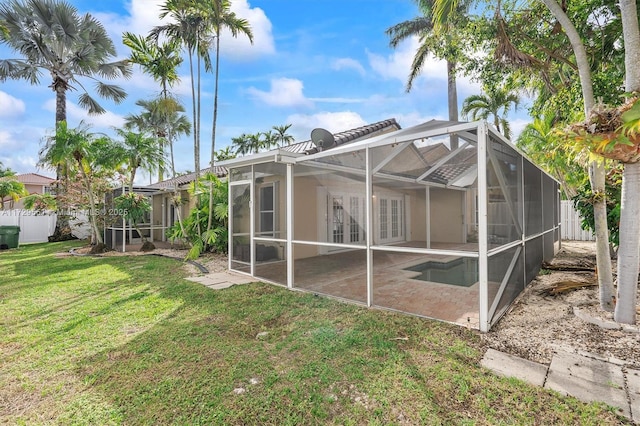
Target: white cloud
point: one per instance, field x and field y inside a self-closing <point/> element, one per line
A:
<point x="414" y="118"/>
<point x="397" y="65"/>
<point x="284" y="92"/>
<point x="6" y="140"/>
<point x="241" y="48"/>
<point x="348" y="64"/>
<point x="332" y="121"/>
<point x="517" y="126"/>
<point x="144" y="15"/>
<point x="10" y="107"/>
<point x="433" y="76"/>
<point x="23" y="164"/>
<point x="140" y="82"/>
<point x="75" y="114"/>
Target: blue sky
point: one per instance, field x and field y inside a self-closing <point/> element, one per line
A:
<point x="313" y="64"/>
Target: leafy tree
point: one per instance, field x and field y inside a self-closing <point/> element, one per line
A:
<point x="77" y="149"/>
<point x="584" y="199"/>
<point x="161" y="62"/>
<point x="442" y="44"/>
<point x="40" y="202"/>
<point x="12" y="189"/>
<point x="216" y="238"/>
<point x="494" y="103"/>
<point x="5" y="171"/>
<point x="225" y="154"/>
<point x="139" y="151"/>
<point x="163" y="118"/>
<point x="221" y="18"/>
<point x="134" y="207"/>
<point x="191" y="29"/>
<point x="53" y="38"/>
<point x="541" y="141"/>
<point x="629" y="250"/>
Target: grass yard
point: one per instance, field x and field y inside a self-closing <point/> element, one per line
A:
<point x="126" y="340"/>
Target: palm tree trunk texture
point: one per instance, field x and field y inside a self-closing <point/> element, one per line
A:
<point x="213" y="130"/>
<point x="452" y="94"/>
<point x="629" y="249"/>
<point x="603" y="255"/>
<point x="62" y="230"/>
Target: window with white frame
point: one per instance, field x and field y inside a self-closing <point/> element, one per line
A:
<point x="267" y="212"/>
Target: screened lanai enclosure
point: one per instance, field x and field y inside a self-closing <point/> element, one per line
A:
<point x="443" y="220"/>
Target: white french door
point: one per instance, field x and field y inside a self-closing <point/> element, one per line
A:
<point x="346" y="218"/>
<point x="390" y="217"/>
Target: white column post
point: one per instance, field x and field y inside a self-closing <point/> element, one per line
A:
<point x="483" y="260"/>
<point x="290" y="225"/>
<point x="369" y="214"/>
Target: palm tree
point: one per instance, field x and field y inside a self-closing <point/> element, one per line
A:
<point x="494" y="103"/>
<point x="190" y="29"/>
<point x="12" y="189"/>
<point x="80" y="150"/>
<point x="423" y="27"/>
<point x="5" y="171"/>
<point x="542" y="143"/>
<point x="52" y="37"/>
<point x="225" y="153"/>
<point x="222" y="17"/>
<point x="629" y="249"/>
<point x="282" y="136"/>
<point x="158" y="60"/>
<point x="242" y="144"/>
<point x="443" y="9"/>
<point x="140" y="151"/>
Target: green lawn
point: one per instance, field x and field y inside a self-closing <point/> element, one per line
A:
<point x="127" y="340"/>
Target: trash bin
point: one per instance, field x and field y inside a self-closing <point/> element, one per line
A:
<point x="9" y="236"/>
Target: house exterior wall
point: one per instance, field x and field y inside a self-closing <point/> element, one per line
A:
<point x="446" y="215"/>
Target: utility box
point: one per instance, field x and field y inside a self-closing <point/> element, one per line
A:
<point x="9" y="237"/>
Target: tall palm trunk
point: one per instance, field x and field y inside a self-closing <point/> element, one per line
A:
<point x="629" y="249"/>
<point x="596" y="170"/>
<point x="62" y="230"/>
<point x="452" y="98"/>
<point x="215" y="118"/>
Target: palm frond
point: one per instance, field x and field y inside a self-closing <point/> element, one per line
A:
<point x="90" y="104"/>
<point x="111" y="91"/>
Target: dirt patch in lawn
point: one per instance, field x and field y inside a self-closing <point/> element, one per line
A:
<point x="540" y="323"/>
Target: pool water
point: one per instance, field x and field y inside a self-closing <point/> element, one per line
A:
<point x="461" y="272"/>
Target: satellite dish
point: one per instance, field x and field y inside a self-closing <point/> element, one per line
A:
<point x="322" y="138"/>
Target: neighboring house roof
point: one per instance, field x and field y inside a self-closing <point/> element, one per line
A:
<point x="304" y="147"/>
<point x="34" y="179"/>
<point x="187" y="178"/>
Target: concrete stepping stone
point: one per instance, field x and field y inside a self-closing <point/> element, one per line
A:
<point x="511" y="366"/>
<point x="633" y="384"/>
<point x="588" y="380"/>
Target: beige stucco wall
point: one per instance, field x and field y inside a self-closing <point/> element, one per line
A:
<point x="306" y="216"/>
<point x="446" y="215"/>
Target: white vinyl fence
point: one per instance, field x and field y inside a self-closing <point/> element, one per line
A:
<point x="570" y="220"/>
<point x="36" y="228"/>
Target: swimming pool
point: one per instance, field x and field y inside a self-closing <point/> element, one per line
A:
<point x="461" y="272"/>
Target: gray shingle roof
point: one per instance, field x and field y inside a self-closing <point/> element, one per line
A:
<point x="188" y="178"/>
<point x="304" y="147"/>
